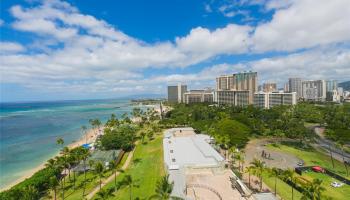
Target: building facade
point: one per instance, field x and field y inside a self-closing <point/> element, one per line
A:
<point x="331" y="85"/>
<point x="295" y="85"/>
<point x="233" y="98"/>
<point x="271" y="99"/>
<point x="269" y="87"/>
<point x="199" y="96"/>
<point x="176" y="93"/>
<point x="314" y="90"/>
<point x="245" y="81"/>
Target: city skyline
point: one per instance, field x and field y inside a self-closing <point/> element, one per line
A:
<point x="52" y="50"/>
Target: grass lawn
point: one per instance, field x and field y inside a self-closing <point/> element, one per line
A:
<point x="311" y="157"/>
<point x="336" y="193"/>
<point x="146" y="169"/>
<point x="283" y="189"/>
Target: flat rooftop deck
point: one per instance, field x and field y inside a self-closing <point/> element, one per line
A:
<point x="191" y="150"/>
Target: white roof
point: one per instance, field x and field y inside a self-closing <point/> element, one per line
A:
<point x="191" y="150"/>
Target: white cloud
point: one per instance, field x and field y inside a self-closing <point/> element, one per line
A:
<point x="10" y="47"/>
<point x="93" y="55"/>
<point x="231" y="39"/>
<point x="305" y="24"/>
<point x="1" y="22"/>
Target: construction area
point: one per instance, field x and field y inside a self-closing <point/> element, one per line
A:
<point x="198" y="170"/>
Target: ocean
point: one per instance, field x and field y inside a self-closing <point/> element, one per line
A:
<point x="28" y="131"/>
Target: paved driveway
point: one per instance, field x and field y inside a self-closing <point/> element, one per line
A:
<point x="276" y="159"/>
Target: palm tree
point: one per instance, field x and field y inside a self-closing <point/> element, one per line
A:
<point x="113" y="166"/>
<point x="105" y="193"/>
<point x="129" y="182"/>
<point x="142" y="135"/>
<point x="231" y="152"/>
<point x="274" y="172"/>
<point x="99" y="168"/>
<point x="258" y="168"/>
<point x="60" y="141"/>
<point x="249" y="170"/>
<point x="53" y="183"/>
<point x="313" y="190"/>
<point x="289" y="175"/>
<point x="164" y="189"/>
<point x="240" y="158"/>
<point x="150" y="135"/>
<point x="30" y="193"/>
<point x="83" y="130"/>
<point x="84" y="154"/>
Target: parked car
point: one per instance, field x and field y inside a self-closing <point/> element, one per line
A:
<point x="336" y="184"/>
<point x="301" y="163"/>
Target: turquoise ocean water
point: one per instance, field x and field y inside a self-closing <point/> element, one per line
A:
<point x="28" y="131"/>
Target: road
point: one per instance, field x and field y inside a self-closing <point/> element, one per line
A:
<point x="326" y="144"/>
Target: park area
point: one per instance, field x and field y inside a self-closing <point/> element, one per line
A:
<point x="145" y="169"/>
<point x="310" y="157"/>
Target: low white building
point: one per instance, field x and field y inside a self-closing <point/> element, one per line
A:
<point x="270" y="99"/>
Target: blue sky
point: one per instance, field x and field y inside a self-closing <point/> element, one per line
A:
<point x="104" y="49"/>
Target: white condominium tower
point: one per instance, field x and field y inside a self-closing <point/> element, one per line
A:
<point x="245" y="83"/>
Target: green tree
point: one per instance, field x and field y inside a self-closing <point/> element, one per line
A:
<point x="99" y="169"/>
<point x="53" y="183"/>
<point x="289" y="175"/>
<point x="313" y="190"/>
<point x="234" y="132"/>
<point x="274" y="172"/>
<point x="258" y="169"/>
<point x="30" y="193"/>
<point x="83" y="130"/>
<point x="163" y="190"/>
<point x="128" y="182"/>
<point x="105" y="193"/>
<point x="113" y="165"/>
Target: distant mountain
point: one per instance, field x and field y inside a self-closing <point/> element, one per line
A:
<point x="345" y="85"/>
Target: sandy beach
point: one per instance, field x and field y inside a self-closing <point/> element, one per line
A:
<point x="90" y="137"/>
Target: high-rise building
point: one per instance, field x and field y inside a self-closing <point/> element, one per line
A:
<point x="269" y="87"/>
<point x="271" y="99"/>
<point x="331" y="85"/>
<point x="295" y="85"/>
<point x="333" y="96"/>
<point x="199" y="96"/>
<point x="175" y="93"/>
<point x="245" y="81"/>
<point x="286" y="87"/>
<point x="314" y="90"/>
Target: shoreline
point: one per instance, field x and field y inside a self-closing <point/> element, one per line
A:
<point x="91" y="137"/>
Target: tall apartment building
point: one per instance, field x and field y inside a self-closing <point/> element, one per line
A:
<point x="286" y="87"/>
<point x="245" y="81"/>
<point x="331" y="85"/>
<point x="295" y="85"/>
<point x="199" y="96"/>
<point x="269" y="87"/>
<point x="314" y="90"/>
<point x="175" y="93"/>
<point x="271" y="99"/>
